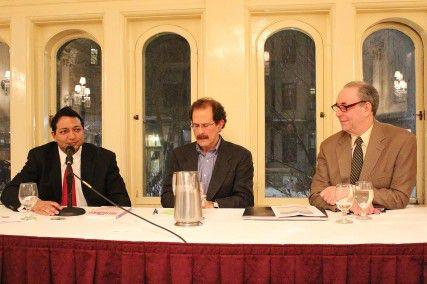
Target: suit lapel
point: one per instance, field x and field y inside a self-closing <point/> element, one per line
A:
<point x="86" y="168"/>
<point x="192" y="159"/>
<point x="220" y="170"/>
<point x="55" y="172"/>
<point x="373" y="152"/>
<point x="343" y="152"/>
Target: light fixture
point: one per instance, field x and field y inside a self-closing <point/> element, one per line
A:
<point x="153" y="140"/>
<point x="400" y="85"/>
<point x="81" y="95"/>
<point x="5" y="83"/>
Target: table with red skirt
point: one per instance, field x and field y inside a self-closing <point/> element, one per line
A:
<point x="390" y="248"/>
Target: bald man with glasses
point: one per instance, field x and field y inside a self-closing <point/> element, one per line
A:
<point x="365" y="150"/>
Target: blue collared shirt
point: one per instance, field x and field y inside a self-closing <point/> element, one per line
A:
<point x="206" y="165"/>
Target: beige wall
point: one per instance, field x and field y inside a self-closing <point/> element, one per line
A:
<point x="227" y="34"/>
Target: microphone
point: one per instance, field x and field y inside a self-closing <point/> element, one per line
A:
<point x="128" y="211"/>
<point x="70" y="210"/>
<point x="70" y="152"/>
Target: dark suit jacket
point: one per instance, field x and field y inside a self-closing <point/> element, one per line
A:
<point x="231" y="184"/>
<point x="390" y="164"/>
<point x="98" y="168"/>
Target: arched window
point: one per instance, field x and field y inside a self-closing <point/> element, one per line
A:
<point x="79" y="84"/>
<point x="389" y="65"/>
<point x="290" y="114"/>
<point x="4" y="115"/>
<point x="167" y="97"/>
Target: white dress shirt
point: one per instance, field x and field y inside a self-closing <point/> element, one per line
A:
<point x="365" y="137"/>
<point x="80" y="199"/>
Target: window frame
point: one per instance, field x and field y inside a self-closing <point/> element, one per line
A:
<point x="138" y="107"/>
<point x="320" y="122"/>
<point x="49" y="42"/>
<point x="53" y="100"/>
<point x="419" y="101"/>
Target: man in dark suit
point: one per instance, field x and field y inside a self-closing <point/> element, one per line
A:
<point x="388" y="154"/>
<point x="46" y="166"/>
<point x="225" y="169"/>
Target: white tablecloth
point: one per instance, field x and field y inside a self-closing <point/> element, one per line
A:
<point x="227" y="226"/>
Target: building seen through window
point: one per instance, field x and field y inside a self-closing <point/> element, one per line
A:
<point x="389" y="65"/>
<point x="166" y="97"/>
<point x="290" y="109"/>
<point x="5" y="78"/>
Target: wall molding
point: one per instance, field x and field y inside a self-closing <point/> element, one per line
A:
<point x="386" y="6"/>
<point x="159" y="14"/>
<point x="70" y="18"/>
<point x="316" y="8"/>
<point x="18" y="3"/>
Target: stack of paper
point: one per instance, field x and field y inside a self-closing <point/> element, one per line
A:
<point x="285" y="212"/>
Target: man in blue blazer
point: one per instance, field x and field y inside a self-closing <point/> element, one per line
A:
<point x="46" y="166"/>
<point x="225" y="169"/>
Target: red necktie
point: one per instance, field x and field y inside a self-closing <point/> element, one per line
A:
<point x="65" y="190"/>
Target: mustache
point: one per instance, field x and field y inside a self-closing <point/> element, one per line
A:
<point x="202" y="136"/>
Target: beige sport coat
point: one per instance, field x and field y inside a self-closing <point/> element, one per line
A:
<point x="390" y="163"/>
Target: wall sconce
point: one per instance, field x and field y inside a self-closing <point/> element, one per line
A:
<point x="400" y="85"/>
<point x="153" y="140"/>
<point x="81" y="95"/>
<point x="5" y="83"/>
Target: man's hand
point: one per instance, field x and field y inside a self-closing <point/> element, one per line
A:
<point x="355" y="208"/>
<point x="207" y="204"/>
<point x="328" y="194"/>
<point x="46" y="207"/>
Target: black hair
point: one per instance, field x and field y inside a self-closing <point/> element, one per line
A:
<point x="65" y="111"/>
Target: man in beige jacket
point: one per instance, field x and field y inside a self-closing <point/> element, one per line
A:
<point x="389" y="153"/>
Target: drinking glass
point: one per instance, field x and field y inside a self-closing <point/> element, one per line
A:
<point x="364" y="194"/>
<point x="344" y="198"/>
<point x="28" y="194"/>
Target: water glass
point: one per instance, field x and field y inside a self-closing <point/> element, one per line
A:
<point x="344" y="197"/>
<point x="364" y="194"/>
<point x="28" y="196"/>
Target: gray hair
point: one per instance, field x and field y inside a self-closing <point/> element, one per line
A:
<point x="367" y="93"/>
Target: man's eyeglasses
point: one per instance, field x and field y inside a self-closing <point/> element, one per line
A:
<point x="345" y="108"/>
<point x="201" y="125"/>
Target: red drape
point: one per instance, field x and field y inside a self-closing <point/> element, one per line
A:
<point x="54" y="260"/>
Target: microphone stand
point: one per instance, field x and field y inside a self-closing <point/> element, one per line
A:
<point x="128" y="211"/>
<point x="70" y="210"/>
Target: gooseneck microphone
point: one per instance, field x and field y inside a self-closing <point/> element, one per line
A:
<point x="70" y="210"/>
<point x="69" y="151"/>
<point x="128" y="211"/>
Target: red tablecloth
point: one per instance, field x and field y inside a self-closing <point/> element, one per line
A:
<point x="55" y="260"/>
